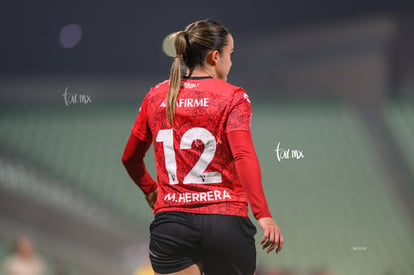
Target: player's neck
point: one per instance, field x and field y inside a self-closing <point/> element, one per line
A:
<point x="200" y="72"/>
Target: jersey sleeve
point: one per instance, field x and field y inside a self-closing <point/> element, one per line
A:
<point x="239" y="117"/>
<point x="133" y="160"/>
<point x="140" y="129"/>
<point x="248" y="169"/>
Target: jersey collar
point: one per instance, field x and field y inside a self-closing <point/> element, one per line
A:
<point x="196" y="77"/>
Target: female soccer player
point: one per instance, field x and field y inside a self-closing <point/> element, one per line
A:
<point x="207" y="169"/>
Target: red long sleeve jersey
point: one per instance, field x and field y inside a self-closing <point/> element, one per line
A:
<point x="196" y="170"/>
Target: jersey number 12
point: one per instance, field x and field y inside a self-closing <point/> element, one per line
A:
<point x="196" y="174"/>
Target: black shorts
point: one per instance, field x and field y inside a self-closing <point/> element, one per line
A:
<point x="222" y="244"/>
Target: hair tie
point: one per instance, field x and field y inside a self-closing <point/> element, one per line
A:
<point x="179" y="56"/>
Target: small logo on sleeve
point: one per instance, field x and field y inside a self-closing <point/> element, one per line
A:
<point x="247" y="98"/>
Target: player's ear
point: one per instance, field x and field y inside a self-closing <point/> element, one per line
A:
<point x="212" y="57"/>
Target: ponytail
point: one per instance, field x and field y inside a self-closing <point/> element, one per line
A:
<point x="175" y="75"/>
<point x="191" y="49"/>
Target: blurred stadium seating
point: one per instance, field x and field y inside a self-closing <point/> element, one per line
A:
<point x="400" y="118"/>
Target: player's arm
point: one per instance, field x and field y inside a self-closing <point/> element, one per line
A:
<point x="133" y="157"/>
<point x="248" y="169"/>
<point x="133" y="160"/>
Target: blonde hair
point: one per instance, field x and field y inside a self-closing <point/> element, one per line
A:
<point x="192" y="46"/>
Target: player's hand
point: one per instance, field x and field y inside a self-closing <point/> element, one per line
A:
<point x="152" y="198"/>
<point x="272" y="236"/>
